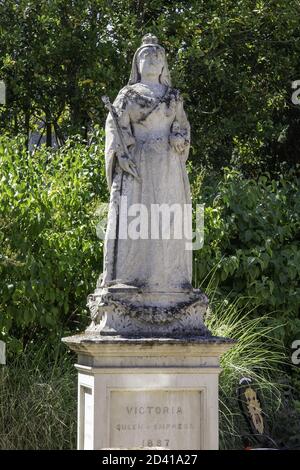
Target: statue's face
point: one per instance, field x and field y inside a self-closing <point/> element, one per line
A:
<point x="151" y="61"/>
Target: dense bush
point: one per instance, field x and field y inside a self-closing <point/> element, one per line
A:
<point x="50" y="255"/>
<point x="252" y="243"/>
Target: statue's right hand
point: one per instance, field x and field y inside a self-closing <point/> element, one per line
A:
<point x="128" y="165"/>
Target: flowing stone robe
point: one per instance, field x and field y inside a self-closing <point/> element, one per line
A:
<point x="155" y="265"/>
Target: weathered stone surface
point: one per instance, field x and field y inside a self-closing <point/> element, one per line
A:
<point x="2" y="353"/>
<point x="94" y="345"/>
<point x="147" y="144"/>
<point x="163" y="418"/>
<point x="130" y="312"/>
<point x="151" y="392"/>
<point x="2" y="92"/>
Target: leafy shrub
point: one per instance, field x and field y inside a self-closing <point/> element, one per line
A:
<point x="252" y="246"/>
<point x="50" y="254"/>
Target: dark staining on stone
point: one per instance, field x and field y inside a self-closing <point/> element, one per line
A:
<point x="131" y="128"/>
<point x="146" y="103"/>
<point x="95" y="338"/>
<point x="172" y="312"/>
<point x="186" y="286"/>
<point x="140" y="284"/>
<point x="173" y="93"/>
<point x="141" y="100"/>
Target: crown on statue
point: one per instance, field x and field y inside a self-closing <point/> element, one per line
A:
<point x="150" y="39"/>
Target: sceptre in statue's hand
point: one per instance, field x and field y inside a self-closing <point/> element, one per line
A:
<point x="124" y="159"/>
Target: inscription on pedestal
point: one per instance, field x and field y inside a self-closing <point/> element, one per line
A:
<point x="163" y="418"/>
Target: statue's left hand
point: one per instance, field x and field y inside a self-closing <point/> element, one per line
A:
<point x="178" y="142"/>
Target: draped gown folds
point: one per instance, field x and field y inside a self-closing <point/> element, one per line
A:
<point x="150" y="262"/>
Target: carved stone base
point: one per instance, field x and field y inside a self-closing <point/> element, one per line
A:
<point x="126" y="311"/>
<point x="141" y="393"/>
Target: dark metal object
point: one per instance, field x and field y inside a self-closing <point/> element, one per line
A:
<point x="251" y="406"/>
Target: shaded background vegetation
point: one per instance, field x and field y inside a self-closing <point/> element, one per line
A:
<point x="234" y="62"/>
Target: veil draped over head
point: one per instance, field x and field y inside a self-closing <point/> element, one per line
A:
<point x="149" y="40"/>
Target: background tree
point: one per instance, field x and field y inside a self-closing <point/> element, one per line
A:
<point x="233" y="60"/>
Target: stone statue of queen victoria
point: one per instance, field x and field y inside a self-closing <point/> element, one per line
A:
<point x="146" y="285"/>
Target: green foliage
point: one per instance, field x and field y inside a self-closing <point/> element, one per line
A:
<point x="38" y="400"/>
<point x="251" y="247"/>
<point x="52" y="58"/>
<point x="234" y="61"/>
<point x="51" y="257"/>
<point x="50" y="254"/>
<point x="256" y="354"/>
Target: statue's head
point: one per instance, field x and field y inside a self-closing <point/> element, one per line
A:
<point x="150" y="58"/>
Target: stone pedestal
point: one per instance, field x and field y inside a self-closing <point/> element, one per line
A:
<point x="127" y="311"/>
<point x="147" y="392"/>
